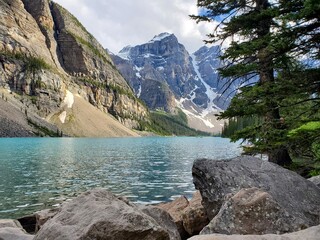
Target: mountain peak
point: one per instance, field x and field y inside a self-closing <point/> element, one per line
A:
<point x="125" y="52"/>
<point x="161" y="36"/>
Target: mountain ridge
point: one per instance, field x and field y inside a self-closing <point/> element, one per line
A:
<point x="192" y="80"/>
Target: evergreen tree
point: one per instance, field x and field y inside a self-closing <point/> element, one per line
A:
<point x="267" y="38"/>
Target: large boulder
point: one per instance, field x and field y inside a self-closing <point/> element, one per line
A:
<point x="12" y="230"/>
<point x="43" y="216"/>
<point x="33" y="223"/>
<point x="194" y="217"/>
<point x="311" y="233"/>
<point x="220" y="180"/>
<point x="189" y="216"/>
<point x="175" y="209"/>
<point x="98" y="214"/>
<point x="163" y="219"/>
<point x="252" y="211"/>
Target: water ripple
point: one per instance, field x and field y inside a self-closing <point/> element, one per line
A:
<point x="41" y="173"/>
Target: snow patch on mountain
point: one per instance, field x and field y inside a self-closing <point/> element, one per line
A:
<point x="139" y="91"/>
<point x="210" y="92"/>
<point x="192" y="112"/>
<point x="148" y="55"/>
<point x="125" y="53"/>
<point x="160" y="37"/>
<point x="138" y="75"/>
<point x="138" y="69"/>
<point x="62" y="117"/>
<point x="68" y="103"/>
<point x="160" y="68"/>
<point x="69" y="99"/>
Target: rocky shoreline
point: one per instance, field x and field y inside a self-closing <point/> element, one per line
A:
<point x="242" y="198"/>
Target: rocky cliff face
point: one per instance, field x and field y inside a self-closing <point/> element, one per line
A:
<point x="207" y="61"/>
<point x="164" y="62"/>
<point x="45" y="51"/>
<point x="192" y="81"/>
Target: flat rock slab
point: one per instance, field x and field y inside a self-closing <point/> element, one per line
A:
<point x="220" y="180"/>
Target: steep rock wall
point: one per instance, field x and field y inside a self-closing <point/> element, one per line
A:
<point x="85" y="59"/>
<point x="27" y="66"/>
<point x="40" y="10"/>
<point x="44" y="51"/>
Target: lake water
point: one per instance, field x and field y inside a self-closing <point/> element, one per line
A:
<point x="39" y="173"/>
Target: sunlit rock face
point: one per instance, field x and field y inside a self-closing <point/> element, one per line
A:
<point x="45" y="51"/>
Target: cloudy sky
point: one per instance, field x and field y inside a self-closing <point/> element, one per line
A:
<point x="118" y="23"/>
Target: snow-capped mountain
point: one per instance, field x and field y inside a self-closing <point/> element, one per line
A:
<point x="164" y="75"/>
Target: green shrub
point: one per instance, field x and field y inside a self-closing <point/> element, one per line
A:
<point x="33" y="64"/>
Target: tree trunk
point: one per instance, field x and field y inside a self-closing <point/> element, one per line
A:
<point x="272" y="120"/>
<point x="280" y="156"/>
<point x="272" y="117"/>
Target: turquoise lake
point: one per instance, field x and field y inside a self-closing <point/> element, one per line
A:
<point x="39" y="173"/>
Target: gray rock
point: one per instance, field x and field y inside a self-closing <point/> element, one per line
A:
<point x="164" y="220"/>
<point x="98" y="214"/>
<point x="43" y="216"/>
<point x="175" y="209"/>
<point x="311" y="233"/>
<point x="218" y="180"/>
<point x="189" y="216"/>
<point x="252" y="211"/>
<point x="194" y="216"/>
<point x="157" y="95"/>
<point x="12" y="230"/>
<point x="315" y="180"/>
<point x="9" y="223"/>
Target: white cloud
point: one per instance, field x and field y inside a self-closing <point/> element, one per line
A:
<point x="118" y="23"/>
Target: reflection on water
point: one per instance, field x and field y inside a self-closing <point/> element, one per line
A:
<point x="38" y="173"/>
